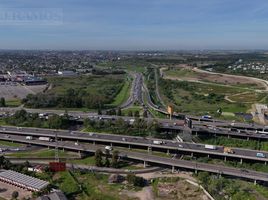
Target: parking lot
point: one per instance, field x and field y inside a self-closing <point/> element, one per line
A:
<point x="10" y="90"/>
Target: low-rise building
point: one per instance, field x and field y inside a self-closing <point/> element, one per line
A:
<point x="23" y="181"/>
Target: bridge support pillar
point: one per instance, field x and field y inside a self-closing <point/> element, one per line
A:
<point x="48" y="147"/>
<point x="192" y="154"/>
<point x="111" y="144"/>
<point x="144" y="164"/>
<point x="196" y="134"/>
<point x="129" y="146"/>
<point x="265" y="162"/>
<point x="94" y="142"/>
<point x="247" y="138"/>
<point x="195" y="171"/>
<point x="208" y="155"/>
<point x="241" y="161"/>
<point x="173" y="169"/>
<point x="228" y="136"/>
<point x="79" y="153"/>
<point x="168" y="152"/>
<point x="224" y="158"/>
<point x="149" y="149"/>
<point x="255" y="182"/>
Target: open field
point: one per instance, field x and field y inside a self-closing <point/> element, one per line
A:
<point x="88" y="186"/>
<point x="198" y="98"/>
<point x="10" y="144"/>
<point x="176" y="188"/>
<point x="82" y="92"/>
<point x="93" y="84"/>
<point x="187" y="73"/>
<point x="123" y="95"/>
<point x="43" y="153"/>
<point x="11" y="92"/>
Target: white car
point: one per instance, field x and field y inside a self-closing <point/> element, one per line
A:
<point x="109" y="148"/>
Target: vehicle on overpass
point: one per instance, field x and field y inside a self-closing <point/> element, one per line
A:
<point x="228" y="150"/>
<point x="211" y="147"/>
<point x="260" y="155"/>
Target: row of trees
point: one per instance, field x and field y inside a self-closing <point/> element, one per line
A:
<point x="77" y="93"/>
<point x="105" y="162"/>
<point x="70" y="99"/>
<point x="130" y="113"/>
<point x="140" y="127"/>
<point x="23" y="118"/>
<point x="222" y="188"/>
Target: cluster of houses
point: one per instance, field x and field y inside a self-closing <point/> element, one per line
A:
<point x="256" y="67"/>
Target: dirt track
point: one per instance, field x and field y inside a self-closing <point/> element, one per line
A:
<point x="234" y="78"/>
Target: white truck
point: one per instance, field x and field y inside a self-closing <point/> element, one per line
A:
<point x="158" y="142"/>
<point x="211" y="147"/>
<point x="47" y="139"/>
<point x="29" y="137"/>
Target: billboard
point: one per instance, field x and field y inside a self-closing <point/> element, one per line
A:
<point x="170" y="110"/>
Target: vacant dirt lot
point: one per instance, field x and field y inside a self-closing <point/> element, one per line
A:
<point x="188" y="73"/>
<point x="19" y="91"/>
<point x="180" y="190"/>
<point x="6" y="191"/>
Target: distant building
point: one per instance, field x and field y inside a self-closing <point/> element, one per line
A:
<point x="66" y="73"/>
<point x="32" y="80"/>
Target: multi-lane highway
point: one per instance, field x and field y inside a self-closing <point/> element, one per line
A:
<point x="135" y="92"/>
<point x="151" y="159"/>
<point x="139" y="142"/>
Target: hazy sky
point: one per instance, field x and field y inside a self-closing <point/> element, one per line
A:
<point x="134" y="24"/>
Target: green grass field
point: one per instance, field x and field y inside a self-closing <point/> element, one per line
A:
<point x="13" y="102"/>
<point x="92" y="84"/>
<point x="123" y="95"/>
<point x="43" y="153"/>
<point x="109" y="90"/>
<point x="10" y="144"/>
<point x="189" y="97"/>
<point x="187" y="73"/>
<point x="180" y="73"/>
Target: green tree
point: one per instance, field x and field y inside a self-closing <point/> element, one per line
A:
<point x="145" y="114"/>
<point x="130" y="113"/>
<point x="5" y="163"/>
<point x="15" y="194"/>
<point x="98" y="158"/>
<point x="115" y="157"/>
<point x="107" y="161"/>
<point x="136" y="113"/>
<point x="204" y="179"/>
<point x="136" y="180"/>
<point x="119" y="112"/>
<point x="2" y="102"/>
